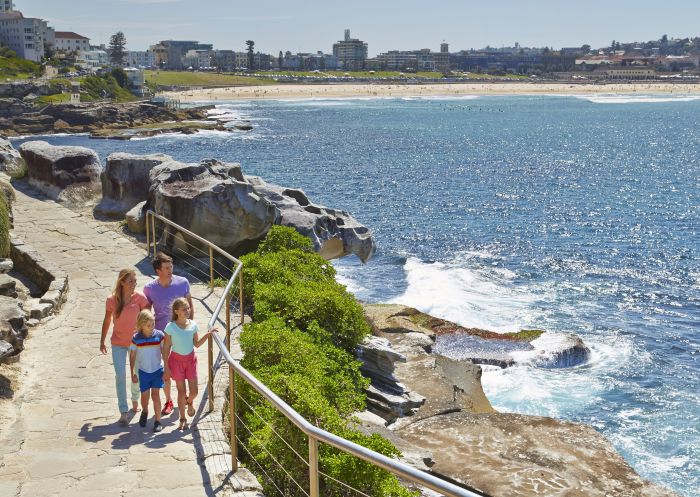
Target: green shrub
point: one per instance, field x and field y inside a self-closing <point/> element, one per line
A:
<point x="324" y="385"/>
<point x="284" y="267"/>
<point x="4" y="226"/>
<point x="302" y="303"/>
<point x="305" y="330"/>
<point x="288" y="360"/>
<point x="284" y="238"/>
<point x="96" y="88"/>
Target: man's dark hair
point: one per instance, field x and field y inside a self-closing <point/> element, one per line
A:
<point x="159" y="259"/>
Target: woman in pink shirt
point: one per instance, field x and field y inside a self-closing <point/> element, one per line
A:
<point x="122" y="309"/>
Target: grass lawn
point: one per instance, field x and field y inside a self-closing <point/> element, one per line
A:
<point x="188" y="78"/>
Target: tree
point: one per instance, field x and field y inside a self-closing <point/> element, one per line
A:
<point x="117" y="48"/>
<point x="120" y="76"/>
<point x="251" y="54"/>
<point x="586" y="49"/>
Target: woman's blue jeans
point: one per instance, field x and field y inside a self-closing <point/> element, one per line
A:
<point x="120" y="356"/>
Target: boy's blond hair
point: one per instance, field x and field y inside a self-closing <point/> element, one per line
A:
<point x="145" y="316"/>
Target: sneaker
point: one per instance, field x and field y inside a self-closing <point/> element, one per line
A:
<point x="168" y="408"/>
<point x="143" y="418"/>
<point x="157" y="427"/>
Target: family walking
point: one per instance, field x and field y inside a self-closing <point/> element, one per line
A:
<point x="159" y="344"/>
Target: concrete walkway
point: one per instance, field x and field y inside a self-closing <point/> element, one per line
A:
<point x="58" y="434"/>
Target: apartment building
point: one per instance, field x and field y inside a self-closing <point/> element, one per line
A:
<point x="68" y="41"/>
<point x="350" y="52"/>
<point x="170" y="54"/>
<point x="29" y="37"/>
<point x="140" y="59"/>
<point x="6" y="6"/>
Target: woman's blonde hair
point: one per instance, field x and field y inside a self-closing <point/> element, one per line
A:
<point x="145" y="316"/>
<point x="178" y="304"/>
<point x="117" y="293"/>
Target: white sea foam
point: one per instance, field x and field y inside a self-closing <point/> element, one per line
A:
<point x="467" y="292"/>
<point x="635" y="99"/>
<point x="526" y="389"/>
<point x="440" y="97"/>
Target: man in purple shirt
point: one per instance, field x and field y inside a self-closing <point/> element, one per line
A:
<point x="161" y="293"/>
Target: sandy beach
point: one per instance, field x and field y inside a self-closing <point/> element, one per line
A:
<point x="294" y="91"/>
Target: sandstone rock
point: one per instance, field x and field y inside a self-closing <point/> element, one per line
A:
<point x="378" y="363"/>
<point x="457" y="434"/>
<point x="209" y="200"/>
<point x="334" y="233"/>
<point x="8" y="286"/>
<point x="125" y="181"/>
<point x="11" y="161"/>
<point x="444" y="384"/>
<point x="6" y="266"/>
<point x="6" y="350"/>
<point x="525" y="456"/>
<point x="12" y="326"/>
<point x="13" y="107"/>
<point x="62" y="173"/>
<point x="37" y="309"/>
<point x="136" y="218"/>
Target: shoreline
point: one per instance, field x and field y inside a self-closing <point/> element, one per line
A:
<point x="386" y="90"/>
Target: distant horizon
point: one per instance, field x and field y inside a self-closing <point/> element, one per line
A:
<point x="314" y="26"/>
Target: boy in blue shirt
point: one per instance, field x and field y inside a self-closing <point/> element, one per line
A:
<point x="146" y="350"/>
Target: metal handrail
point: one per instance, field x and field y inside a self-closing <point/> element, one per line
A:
<point x="314" y="433"/>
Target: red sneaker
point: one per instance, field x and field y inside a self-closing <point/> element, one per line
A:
<point x="168" y="408"/>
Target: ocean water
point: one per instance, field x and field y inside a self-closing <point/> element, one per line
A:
<point x="567" y="213"/>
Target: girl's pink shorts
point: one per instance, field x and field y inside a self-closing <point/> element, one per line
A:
<point x="182" y="367"/>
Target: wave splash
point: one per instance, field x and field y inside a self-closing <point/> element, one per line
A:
<point x="471" y="290"/>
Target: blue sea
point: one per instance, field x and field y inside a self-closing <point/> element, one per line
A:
<point x="566" y="213"/>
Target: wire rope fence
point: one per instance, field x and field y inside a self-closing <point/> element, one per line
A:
<point x="273" y="440"/>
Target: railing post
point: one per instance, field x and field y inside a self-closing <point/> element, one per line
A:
<point x="228" y="322"/>
<point x="211" y="267"/>
<point x="155" y="242"/>
<point x="148" y="235"/>
<point x="232" y="417"/>
<point x="210" y="381"/>
<point x="240" y="296"/>
<point x="313" y="467"/>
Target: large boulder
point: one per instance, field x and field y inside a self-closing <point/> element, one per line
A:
<point x="217" y="202"/>
<point x="11" y="161"/>
<point x="126" y="181"/>
<point x="335" y="233"/>
<point x="212" y="200"/>
<point x="62" y="173"/>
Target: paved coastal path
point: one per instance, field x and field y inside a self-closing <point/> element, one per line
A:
<point x="58" y="433"/>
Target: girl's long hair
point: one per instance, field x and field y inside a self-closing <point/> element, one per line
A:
<point x="117" y="293"/>
<point x="178" y="304"/>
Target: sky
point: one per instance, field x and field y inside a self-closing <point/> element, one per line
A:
<point x="313" y="25"/>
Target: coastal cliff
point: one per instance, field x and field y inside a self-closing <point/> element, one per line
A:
<point x="452" y="430"/>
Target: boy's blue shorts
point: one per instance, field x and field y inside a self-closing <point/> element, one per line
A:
<point x="150" y="380"/>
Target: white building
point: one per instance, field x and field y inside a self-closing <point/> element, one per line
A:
<point x="29" y="37"/>
<point x="6" y="6"/>
<point x="197" y="59"/>
<point x="68" y="41"/>
<point x="93" y="59"/>
<point x="140" y="58"/>
<point x="137" y="80"/>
